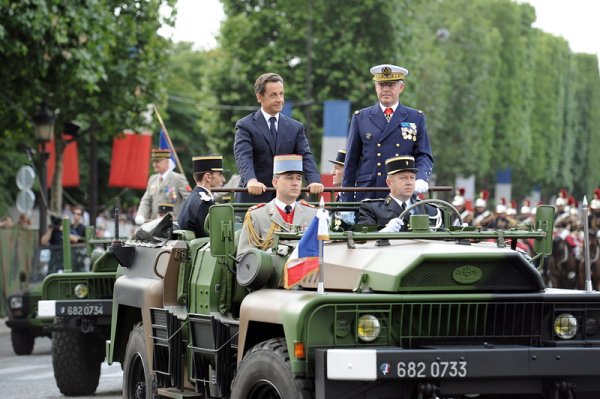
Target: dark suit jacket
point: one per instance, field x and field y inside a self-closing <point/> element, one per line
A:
<point x="380" y="211"/>
<point x="254" y="151"/>
<point x="372" y="140"/>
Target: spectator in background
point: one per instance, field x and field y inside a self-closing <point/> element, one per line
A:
<point x="77" y="227"/>
<point x="6" y="222"/>
<point x="24" y="221"/>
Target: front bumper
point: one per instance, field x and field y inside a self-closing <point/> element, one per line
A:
<point x="457" y="370"/>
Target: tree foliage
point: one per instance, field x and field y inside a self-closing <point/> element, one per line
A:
<point x="487" y="80"/>
<point x="96" y="62"/>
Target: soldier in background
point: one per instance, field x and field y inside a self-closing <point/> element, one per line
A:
<point x="561" y="215"/>
<point x="501" y="219"/>
<point x="164" y="208"/>
<point x="460" y="204"/>
<point x="526" y="214"/>
<point x="208" y="174"/>
<point x="482" y="217"/>
<point x="594" y="215"/>
<point x="165" y="186"/>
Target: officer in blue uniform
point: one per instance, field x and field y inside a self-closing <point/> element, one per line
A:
<point x="208" y="174"/>
<point x="385" y="130"/>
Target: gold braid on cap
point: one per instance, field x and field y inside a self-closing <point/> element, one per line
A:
<point x="255" y="239"/>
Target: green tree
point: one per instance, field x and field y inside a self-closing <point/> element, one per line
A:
<point x="97" y="62"/>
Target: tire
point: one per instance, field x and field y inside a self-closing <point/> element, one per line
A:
<point x="76" y="359"/>
<point x="265" y="372"/>
<point x="22" y="341"/>
<point x="137" y="381"/>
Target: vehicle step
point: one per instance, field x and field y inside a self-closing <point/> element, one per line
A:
<point x="176" y="393"/>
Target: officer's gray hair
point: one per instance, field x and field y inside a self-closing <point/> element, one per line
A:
<point x="260" y="86"/>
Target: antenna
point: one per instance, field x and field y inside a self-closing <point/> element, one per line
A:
<point x="586" y="240"/>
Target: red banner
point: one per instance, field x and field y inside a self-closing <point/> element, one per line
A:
<point x="130" y="160"/>
<point x="70" y="177"/>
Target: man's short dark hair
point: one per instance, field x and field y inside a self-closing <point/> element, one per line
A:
<point x="261" y="82"/>
<point x="198" y="176"/>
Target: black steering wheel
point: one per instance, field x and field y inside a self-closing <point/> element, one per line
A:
<point x="438" y="202"/>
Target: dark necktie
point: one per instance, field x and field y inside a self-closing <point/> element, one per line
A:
<point x="388" y="113"/>
<point x="288" y="209"/>
<point x="272" y="128"/>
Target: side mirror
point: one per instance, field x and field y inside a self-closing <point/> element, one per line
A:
<point x="544" y="220"/>
<point x="221" y="230"/>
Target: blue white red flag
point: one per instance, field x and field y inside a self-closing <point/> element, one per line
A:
<point x="163" y="144"/>
<point x="304" y="259"/>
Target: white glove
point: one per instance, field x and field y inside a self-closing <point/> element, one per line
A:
<point x="421" y="186"/>
<point x="139" y="219"/>
<point x="393" y="226"/>
<point x="346" y="217"/>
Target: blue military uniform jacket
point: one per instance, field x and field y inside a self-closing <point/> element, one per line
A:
<point x="194" y="211"/>
<point x="254" y="150"/>
<point x="372" y="140"/>
<point x="380" y="211"/>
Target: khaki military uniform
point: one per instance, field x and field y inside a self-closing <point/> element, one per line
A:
<point x="174" y="189"/>
<point x="263" y="220"/>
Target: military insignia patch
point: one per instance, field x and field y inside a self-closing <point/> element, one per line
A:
<point x="369" y="136"/>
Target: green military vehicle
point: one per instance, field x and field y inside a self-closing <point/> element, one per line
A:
<point x="449" y="313"/>
<point x="22" y="319"/>
<point x="79" y="304"/>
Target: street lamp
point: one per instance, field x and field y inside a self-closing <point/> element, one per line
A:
<point x="44" y="129"/>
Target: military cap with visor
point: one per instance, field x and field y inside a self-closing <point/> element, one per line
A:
<point x="160" y="153"/>
<point x="208" y="163"/>
<point x="340" y="158"/>
<point x="388" y="73"/>
<point x="165" y="207"/>
<point x="403" y="163"/>
<point x="288" y="163"/>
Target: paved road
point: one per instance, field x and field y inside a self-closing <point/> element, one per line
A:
<point x="32" y="376"/>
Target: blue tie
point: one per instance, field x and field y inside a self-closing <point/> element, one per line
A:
<point x="272" y="128"/>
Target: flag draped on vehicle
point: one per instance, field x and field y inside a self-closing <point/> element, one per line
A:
<point x="304" y="259"/>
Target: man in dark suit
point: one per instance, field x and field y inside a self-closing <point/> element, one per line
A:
<point x="385" y="130"/>
<point x="208" y="174"/>
<point x="266" y="133"/>
<point x="401" y="176"/>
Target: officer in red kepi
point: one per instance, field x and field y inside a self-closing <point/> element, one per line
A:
<point x="385" y="130"/>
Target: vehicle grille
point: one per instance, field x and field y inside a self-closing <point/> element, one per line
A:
<point x="464" y="321"/>
<point x="416" y="325"/>
<point x="99" y="287"/>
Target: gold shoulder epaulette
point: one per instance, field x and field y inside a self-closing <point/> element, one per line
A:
<point x="306" y="204"/>
<point x="257" y="206"/>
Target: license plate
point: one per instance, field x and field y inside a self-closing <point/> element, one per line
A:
<point x="83" y="309"/>
<point x="422" y="366"/>
<point x="441" y="369"/>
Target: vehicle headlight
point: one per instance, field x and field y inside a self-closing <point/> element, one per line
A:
<point x="16" y="302"/>
<point x="368" y="328"/>
<point x="565" y="326"/>
<point x="81" y="291"/>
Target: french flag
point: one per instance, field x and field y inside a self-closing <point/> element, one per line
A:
<point x="304" y="259"/>
<point x="163" y="144"/>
